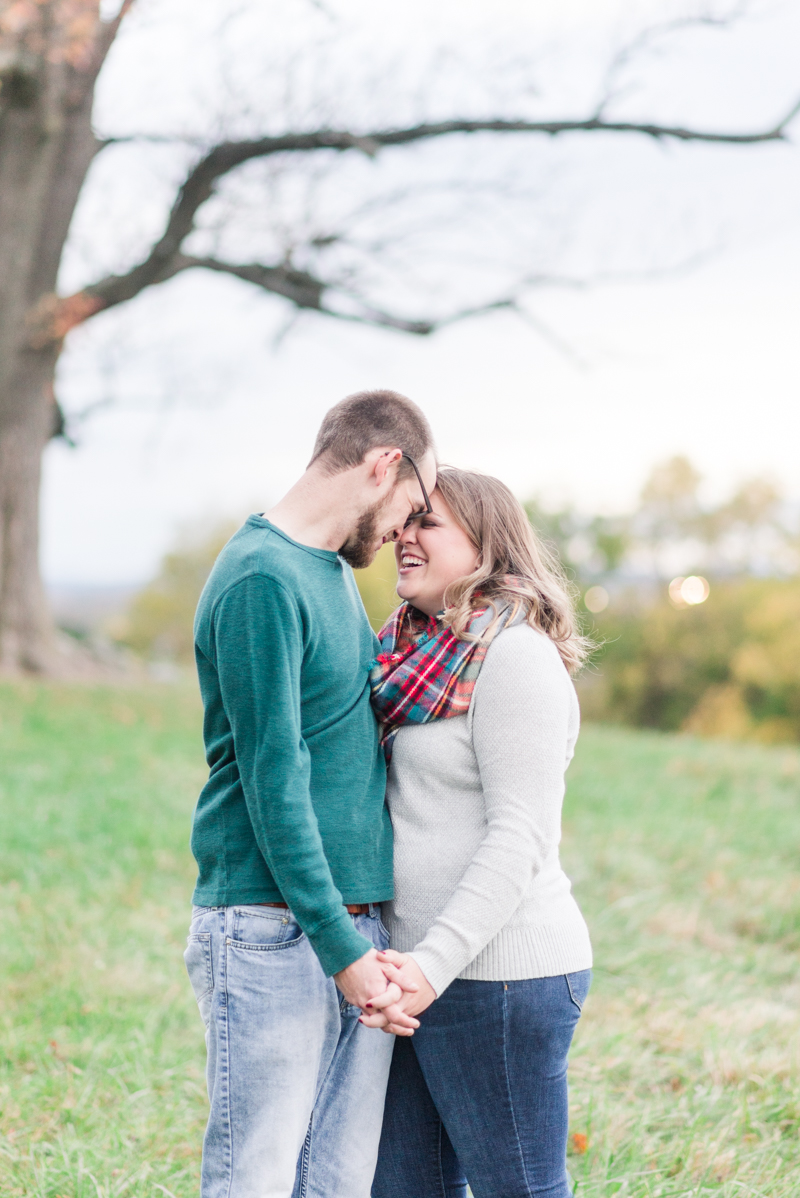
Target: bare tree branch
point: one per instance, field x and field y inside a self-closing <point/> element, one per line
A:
<point x="652" y="35"/>
<point x="53" y="316"/>
<point x="306" y="292"/>
<point x="227" y="155"/>
<point x="301" y="288"/>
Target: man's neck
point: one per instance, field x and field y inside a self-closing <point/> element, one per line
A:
<point x="315" y="512"/>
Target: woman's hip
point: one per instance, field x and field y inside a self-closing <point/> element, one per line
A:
<point x="492" y="1056"/>
<point x="474" y="1019"/>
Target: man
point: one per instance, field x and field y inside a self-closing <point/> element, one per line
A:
<point x="291" y="834"/>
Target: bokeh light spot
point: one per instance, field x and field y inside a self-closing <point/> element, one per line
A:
<point x="596" y="599"/>
<point x="688" y="592"/>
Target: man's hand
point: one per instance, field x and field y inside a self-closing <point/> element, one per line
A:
<point x="385" y="1011"/>
<point x="366" y="979"/>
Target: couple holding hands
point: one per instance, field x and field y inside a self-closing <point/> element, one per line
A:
<point x="377" y="842"/>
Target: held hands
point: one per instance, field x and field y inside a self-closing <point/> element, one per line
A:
<point x="367" y="978"/>
<point x="407" y="994"/>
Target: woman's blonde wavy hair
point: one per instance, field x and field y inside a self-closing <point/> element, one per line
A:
<point x="514" y="567"/>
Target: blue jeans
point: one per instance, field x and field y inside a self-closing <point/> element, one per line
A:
<point x="296" y="1083"/>
<point x="481" y="1090"/>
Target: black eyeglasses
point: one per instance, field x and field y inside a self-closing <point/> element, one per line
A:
<point x="428" y="509"/>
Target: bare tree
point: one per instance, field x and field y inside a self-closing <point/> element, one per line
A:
<point x="51" y="53"/>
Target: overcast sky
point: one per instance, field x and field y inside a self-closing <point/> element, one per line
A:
<point x="212" y="420"/>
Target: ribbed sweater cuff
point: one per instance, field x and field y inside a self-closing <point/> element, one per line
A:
<point x="515" y="954"/>
<point x="338" y="944"/>
<point x="437" y="971"/>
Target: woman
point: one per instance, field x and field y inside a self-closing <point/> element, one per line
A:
<point x="479" y="721"/>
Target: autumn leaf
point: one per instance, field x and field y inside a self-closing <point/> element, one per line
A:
<point x="580" y="1142"/>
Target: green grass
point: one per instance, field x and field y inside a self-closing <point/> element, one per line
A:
<point x="101" y="1048"/>
<point x="686" y="860"/>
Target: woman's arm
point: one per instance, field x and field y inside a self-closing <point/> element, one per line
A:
<point x="521" y="715"/>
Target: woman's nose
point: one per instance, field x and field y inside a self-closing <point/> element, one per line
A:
<point x="408" y="535"/>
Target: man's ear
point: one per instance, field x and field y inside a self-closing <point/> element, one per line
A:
<point x="385" y="459"/>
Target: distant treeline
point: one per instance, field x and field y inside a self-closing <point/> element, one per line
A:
<point x="159" y="622"/>
<point x="728" y="666"/>
<point x="754" y="532"/>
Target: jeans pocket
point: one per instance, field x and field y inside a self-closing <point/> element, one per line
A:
<point x="371" y="927"/>
<point x="578" y="985"/>
<point x="264" y="929"/>
<point x="201" y="972"/>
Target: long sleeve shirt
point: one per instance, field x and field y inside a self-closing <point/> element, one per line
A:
<point x="294" y="806"/>
<point x="476" y="803"/>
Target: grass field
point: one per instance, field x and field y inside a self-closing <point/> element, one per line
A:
<point x="686" y="860"/>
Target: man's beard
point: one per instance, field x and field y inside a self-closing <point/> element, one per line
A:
<point x="359" y="549"/>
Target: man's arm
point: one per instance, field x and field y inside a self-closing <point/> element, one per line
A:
<point x="259" y="652"/>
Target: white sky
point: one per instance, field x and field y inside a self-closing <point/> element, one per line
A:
<point x="213" y="421"/>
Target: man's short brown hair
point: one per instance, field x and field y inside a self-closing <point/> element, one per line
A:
<point x="364" y="421"/>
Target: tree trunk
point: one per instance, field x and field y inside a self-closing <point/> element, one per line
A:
<point x="27" y="639"/>
<point x="47" y="76"/>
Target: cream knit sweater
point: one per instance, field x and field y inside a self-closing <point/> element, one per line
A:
<point x="476" y="807"/>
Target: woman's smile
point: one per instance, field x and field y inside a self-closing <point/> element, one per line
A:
<point x="410" y="561"/>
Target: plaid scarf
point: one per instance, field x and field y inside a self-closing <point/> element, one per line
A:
<point x="424" y="672"/>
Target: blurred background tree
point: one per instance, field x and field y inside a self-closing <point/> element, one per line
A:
<point x="728" y="666"/>
<point x="158" y="624"/>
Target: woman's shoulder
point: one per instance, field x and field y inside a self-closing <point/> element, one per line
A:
<point x="523" y="660"/>
<point x="523" y="672"/>
<point x="520" y="644"/>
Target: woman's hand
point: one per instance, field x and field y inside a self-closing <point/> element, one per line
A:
<point x="398" y="1017"/>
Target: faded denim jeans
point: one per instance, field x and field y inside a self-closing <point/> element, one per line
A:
<point x="296" y="1083"/>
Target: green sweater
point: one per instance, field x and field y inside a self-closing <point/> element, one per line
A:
<point x="294" y="807"/>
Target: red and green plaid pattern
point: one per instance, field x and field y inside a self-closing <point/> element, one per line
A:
<point x="423" y="673"/>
